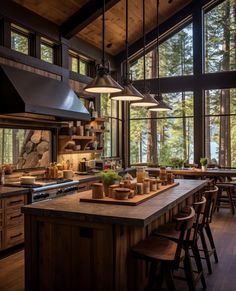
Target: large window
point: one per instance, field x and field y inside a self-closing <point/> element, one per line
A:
<point x="112" y="137"/>
<point x="176" y="54"/>
<point x="220" y="40"/>
<point x="19" y="39"/>
<point x="171" y="132"/>
<point x="220" y="126"/>
<point x="176" y="57"/>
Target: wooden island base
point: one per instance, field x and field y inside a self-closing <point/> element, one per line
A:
<point x="86" y="246"/>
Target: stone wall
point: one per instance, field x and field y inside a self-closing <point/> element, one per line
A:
<point x="35" y="150"/>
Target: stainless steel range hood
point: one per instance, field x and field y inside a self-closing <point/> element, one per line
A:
<point x="25" y="92"/>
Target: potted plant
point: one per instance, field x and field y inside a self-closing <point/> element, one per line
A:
<point x="203" y="162"/>
<point x="109" y="177"/>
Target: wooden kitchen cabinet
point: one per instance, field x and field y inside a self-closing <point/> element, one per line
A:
<point x="11" y="221"/>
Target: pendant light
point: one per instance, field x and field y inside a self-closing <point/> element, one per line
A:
<point x="148" y="99"/>
<point x="103" y="82"/>
<point x="130" y="93"/>
<point x="162" y="105"/>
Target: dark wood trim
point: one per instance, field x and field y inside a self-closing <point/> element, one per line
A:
<point x="81" y="18"/>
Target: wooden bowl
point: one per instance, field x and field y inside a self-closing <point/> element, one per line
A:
<point x="122" y="193"/>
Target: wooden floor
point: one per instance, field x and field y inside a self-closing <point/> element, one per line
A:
<point x="222" y="279"/>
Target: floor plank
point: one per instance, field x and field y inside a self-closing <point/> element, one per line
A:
<point x="223" y="277"/>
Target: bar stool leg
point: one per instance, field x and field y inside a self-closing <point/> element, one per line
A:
<point x="206" y="253"/>
<point x="199" y="265"/>
<point x="210" y="237"/>
<point x="231" y="200"/>
<point x="188" y="271"/>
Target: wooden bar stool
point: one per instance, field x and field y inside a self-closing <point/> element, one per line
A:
<point x="225" y="196"/>
<point x="204" y="227"/>
<point x="167" y="253"/>
<point x="168" y="231"/>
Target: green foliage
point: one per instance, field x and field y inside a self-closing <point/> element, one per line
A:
<point x="176" y="162"/>
<point x="203" y="161"/>
<point x="109" y="176"/>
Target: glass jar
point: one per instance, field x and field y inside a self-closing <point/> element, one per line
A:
<point x="140" y="174"/>
<point x="153" y="184"/>
<point x="146" y="186"/>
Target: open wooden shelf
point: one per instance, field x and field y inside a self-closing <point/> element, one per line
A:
<point x="80" y="152"/>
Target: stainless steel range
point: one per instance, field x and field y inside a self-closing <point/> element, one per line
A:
<point x="45" y="189"/>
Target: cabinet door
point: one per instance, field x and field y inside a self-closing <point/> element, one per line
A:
<point x="1" y="219"/>
<point x="14" y="217"/>
<point x="14" y="235"/>
<point x="0" y="239"/>
<point x="15" y="202"/>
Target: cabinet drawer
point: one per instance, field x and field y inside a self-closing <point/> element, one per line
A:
<point x="14" y="235"/>
<point x="14" y="217"/>
<point x="15" y="201"/>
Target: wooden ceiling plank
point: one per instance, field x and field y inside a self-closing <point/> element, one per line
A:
<point x="85" y="15"/>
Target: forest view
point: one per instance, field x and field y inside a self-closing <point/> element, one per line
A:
<point x="160" y="137"/>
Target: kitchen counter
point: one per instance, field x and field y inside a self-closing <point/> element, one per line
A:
<point x="12" y="191"/>
<point x="72" y="245"/>
<point x="140" y="215"/>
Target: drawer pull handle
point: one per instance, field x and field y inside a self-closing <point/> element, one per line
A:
<point x="16" y="216"/>
<point x="16" y="201"/>
<point x="14" y="236"/>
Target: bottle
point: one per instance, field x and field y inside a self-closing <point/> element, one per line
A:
<point x="91" y="108"/>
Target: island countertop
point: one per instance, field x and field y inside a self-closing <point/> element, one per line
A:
<point x="141" y="215"/>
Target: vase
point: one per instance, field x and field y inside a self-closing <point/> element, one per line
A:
<point x="204" y="168"/>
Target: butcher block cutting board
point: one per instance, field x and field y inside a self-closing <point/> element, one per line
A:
<point x="136" y="200"/>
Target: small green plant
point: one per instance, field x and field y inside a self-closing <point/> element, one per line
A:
<point x="203" y="161"/>
<point x="176" y="162"/>
<point x="109" y="177"/>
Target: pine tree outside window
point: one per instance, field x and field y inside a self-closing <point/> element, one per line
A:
<point x="19" y="39"/>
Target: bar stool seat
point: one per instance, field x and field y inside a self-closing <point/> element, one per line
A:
<point x="158" y="248"/>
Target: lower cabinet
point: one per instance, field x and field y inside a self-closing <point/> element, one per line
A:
<point x="11" y="221"/>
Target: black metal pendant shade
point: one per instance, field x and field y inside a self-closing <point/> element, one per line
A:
<point x="162" y="105"/>
<point x="103" y="83"/>
<point x="130" y="93"/>
<point x="147" y="101"/>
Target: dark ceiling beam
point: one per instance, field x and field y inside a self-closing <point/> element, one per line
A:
<point x="80" y="19"/>
<point x="164" y="27"/>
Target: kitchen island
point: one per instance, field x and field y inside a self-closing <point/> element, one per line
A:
<point x="73" y="245"/>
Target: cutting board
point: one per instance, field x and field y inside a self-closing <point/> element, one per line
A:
<point x="136" y="200"/>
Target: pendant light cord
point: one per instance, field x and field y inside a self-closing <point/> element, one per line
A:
<point x="158" y="58"/>
<point x="103" y="34"/>
<point x="144" y="48"/>
<point x="126" y="39"/>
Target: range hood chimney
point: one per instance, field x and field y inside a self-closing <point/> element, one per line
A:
<point x="26" y="92"/>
